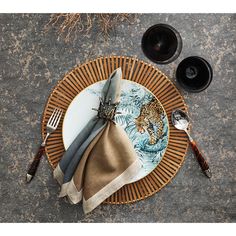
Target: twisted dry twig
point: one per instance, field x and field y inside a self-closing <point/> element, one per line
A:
<point x="69" y="25"/>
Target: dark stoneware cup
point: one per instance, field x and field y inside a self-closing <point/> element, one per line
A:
<point x="194" y="74"/>
<point x="161" y="43"/>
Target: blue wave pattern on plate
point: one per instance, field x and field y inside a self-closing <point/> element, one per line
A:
<point x="133" y="97"/>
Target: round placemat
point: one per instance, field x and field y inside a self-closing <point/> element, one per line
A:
<point x="145" y="74"/>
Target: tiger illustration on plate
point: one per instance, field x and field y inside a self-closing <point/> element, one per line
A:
<point x="151" y="115"/>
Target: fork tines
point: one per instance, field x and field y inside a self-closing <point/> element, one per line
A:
<point x="55" y="118"/>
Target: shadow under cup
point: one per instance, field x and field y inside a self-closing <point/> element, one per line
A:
<point x="194" y="74"/>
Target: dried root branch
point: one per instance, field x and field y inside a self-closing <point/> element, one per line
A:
<point x="70" y="25"/>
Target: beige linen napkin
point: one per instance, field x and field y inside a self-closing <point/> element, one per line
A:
<point x="101" y="159"/>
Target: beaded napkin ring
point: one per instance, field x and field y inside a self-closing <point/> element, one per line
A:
<point x="107" y="110"/>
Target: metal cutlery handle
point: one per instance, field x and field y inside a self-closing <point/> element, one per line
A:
<point x="34" y="165"/>
<point x="201" y="160"/>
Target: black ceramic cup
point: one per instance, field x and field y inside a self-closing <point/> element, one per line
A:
<point x="161" y="43"/>
<point x="194" y="74"/>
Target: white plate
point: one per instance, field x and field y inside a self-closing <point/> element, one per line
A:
<point x="133" y="97"/>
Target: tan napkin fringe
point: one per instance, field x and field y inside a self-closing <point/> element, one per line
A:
<point x="69" y="189"/>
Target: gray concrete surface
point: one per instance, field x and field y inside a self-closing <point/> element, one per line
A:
<point x="31" y="63"/>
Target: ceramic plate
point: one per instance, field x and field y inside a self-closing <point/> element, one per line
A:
<point x="133" y="97"/>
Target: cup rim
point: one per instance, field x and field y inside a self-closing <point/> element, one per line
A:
<point x="209" y="68"/>
<point x="177" y="51"/>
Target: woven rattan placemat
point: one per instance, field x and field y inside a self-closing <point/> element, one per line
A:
<point x="145" y="74"/>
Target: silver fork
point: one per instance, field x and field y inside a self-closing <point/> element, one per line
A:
<point x="51" y="127"/>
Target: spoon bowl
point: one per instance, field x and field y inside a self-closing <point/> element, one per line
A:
<point x="180" y="119"/>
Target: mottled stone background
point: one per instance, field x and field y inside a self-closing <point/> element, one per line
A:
<point x="31" y="63"/>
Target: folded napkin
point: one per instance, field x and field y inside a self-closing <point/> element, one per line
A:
<point x="101" y="159"/>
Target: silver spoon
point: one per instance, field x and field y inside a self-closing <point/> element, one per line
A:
<point x="181" y="121"/>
